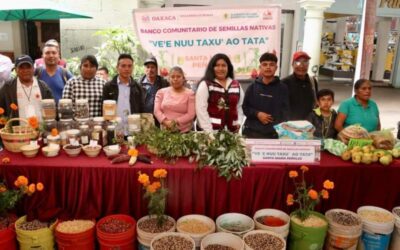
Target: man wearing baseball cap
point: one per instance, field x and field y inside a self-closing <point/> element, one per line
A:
<point x="24" y="90"/>
<point x="151" y="83"/>
<point x="302" y="87"/>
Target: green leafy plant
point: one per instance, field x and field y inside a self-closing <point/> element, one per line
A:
<point x="116" y="42"/>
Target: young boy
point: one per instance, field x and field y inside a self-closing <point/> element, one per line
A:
<point x="266" y="102"/>
<point x="323" y="117"/>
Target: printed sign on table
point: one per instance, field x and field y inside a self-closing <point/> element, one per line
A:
<point x="284" y="151"/>
<point x="189" y="37"/>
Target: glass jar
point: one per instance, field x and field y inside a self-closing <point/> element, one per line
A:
<point x="111" y="135"/>
<point x="133" y="123"/>
<point x="63" y="126"/>
<point x="119" y="131"/>
<point x="98" y="121"/>
<point x="82" y="110"/>
<point x="109" y="110"/>
<point x="51" y="139"/>
<point x="99" y="135"/>
<point x="48" y="109"/>
<point x="47" y="127"/>
<point x="65" y="110"/>
<point x="73" y="136"/>
<point x="85" y="134"/>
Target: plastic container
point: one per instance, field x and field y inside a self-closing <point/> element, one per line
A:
<point x="375" y="235"/>
<point x="65" y="109"/>
<point x="341" y="236"/>
<point x="48" y="109"/>
<point x="72" y="241"/>
<point x="73" y="136"/>
<point x="111" y="135"/>
<point x="42" y="239"/>
<point x="144" y="237"/>
<point x="109" y="109"/>
<point x="122" y="241"/>
<point x="54" y="139"/>
<point x="224" y="239"/>
<point x="197" y="237"/>
<point x="85" y="134"/>
<point x="63" y="126"/>
<point x="281" y="230"/>
<point x="239" y="224"/>
<point x="174" y="234"/>
<point x="277" y="236"/>
<point x="133" y="123"/>
<point x="48" y="126"/>
<point x="81" y="110"/>
<point x="303" y="237"/>
<point x="395" y="243"/>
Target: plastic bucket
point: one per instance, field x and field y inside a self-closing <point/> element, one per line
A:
<point x="8" y="239"/>
<point x="144" y="237"/>
<point x="227" y="223"/>
<point x="224" y="239"/>
<point x="278" y="236"/>
<point x="302" y="237"/>
<point x="122" y="241"/>
<point x="341" y="236"/>
<point x="72" y="241"/>
<point x="174" y="234"/>
<point x="281" y="230"/>
<point x="197" y="237"/>
<point x="376" y="234"/>
<point x="42" y="239"/>
<point x="395" y="243"/>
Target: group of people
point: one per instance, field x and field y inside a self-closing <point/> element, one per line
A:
<point x="219" y="101"/>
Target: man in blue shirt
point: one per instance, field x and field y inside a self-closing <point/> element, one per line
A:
<point x="52" y="74"/>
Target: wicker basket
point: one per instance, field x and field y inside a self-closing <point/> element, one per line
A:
<point x="22" y="135"/>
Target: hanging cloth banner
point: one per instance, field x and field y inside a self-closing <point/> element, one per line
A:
<point x="189" y="37"/>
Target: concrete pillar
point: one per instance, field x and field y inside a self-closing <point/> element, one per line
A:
<point x="313" y="28"/>
<point x="341" y="30"/>
<point x="395" y="74"/>
<point x="151" y="3"/>
<point x="286" y="48"/>
<point x="378" y="68"/>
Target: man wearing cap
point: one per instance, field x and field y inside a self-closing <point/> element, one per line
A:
<point x="24" y="90"/>
<point x="151" y="83"/>
<point x="302" y="88"/>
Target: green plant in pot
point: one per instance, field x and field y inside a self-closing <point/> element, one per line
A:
<point x="307" y="227"/>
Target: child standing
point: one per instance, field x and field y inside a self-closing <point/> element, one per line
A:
<point x="323" y="117"/>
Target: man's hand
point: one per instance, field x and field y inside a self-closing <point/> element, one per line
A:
<point x="264" y="118"/>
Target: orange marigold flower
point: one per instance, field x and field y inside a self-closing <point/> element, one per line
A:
<point x="133" y="152"/>
<point x="313" y="194"/>
<point x="293" y="174"/>
<point x="6" y="160"/>
<point x="151" y="188"/>
<point x="33" y="122"/>
<point x="1" y="111"/>
<point x="16" y="183"/>
<point x="54" y="132"/>
<point x="156" y="184"/>
<point x="160" y="173"/>
<point x="22" y="180"/>
<point x="3" y="121"/>
<point x="304" y="168"/>
<point x="289" y="199"/>
<point x="13" y="106"/>
<point x="3" y="189"/>
<point x="32" y="188"/>
<point x="329" y="184"/>
<point x="144" y="179"/>
<point x="39" y="186"/>
<point x="325" y="194"/>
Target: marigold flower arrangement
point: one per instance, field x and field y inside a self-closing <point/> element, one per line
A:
<point x="10" y="196"/>
<point x="3" y="118"/>
<point x="156" y="193"/>
<point x="306" y="196"/>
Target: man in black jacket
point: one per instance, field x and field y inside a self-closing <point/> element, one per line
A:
<point x="123" y="89"/>
<point x="302" y="88"/>
<point x="25" y="91"/>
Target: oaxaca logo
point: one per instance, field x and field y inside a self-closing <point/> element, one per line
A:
<point x="163" y="18"/>
<point x="267" y="15"/>
<point x="145" y="19"/>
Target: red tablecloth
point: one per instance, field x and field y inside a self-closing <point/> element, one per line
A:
<point x="85" y="187"/>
